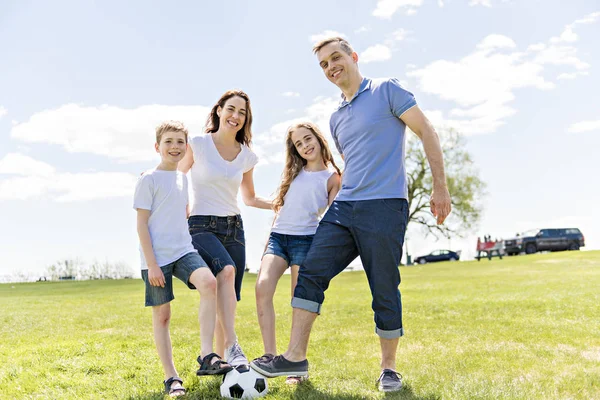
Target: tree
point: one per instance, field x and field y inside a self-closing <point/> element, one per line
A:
<point x="465" y="186"/>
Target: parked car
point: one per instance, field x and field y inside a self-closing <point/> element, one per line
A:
<point x="545" y="240"/>
<point x="439" y="255"/>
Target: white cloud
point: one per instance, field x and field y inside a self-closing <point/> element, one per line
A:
<point x="362" y="29"/>
<point x="37" y="179"/>
<point x="386" y="8"/>
<point x="588" y="19"/>
<point x="495" y="41"/>
<point x="325" y="35"/>
<point x="486" y="3"/>
<point x="3" y="111"/>
<point x="118" y="133"/>
<point x="441" y="3"/>
<point x="568" y="36"/>
<point x="584" y="126"/>
<point x="411" y="11"/>
<point x="19" y="164"/>
<point x="400" y="34"/>
<point x="572" y="75"/>
<point x="376" y="53"/>
<point x="483" y="83"/>
<point x="290" y="94"/>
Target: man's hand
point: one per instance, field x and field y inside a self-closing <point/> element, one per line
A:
<point x="440" y="204"/>
<point x="156" y="276"/>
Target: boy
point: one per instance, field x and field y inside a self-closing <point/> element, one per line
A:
<point x="161" y="201"/>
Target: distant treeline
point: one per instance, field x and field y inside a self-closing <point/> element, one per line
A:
<point x="75" y="269"/>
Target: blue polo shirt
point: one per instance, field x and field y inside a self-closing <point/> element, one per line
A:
<point x="367" y="130"/>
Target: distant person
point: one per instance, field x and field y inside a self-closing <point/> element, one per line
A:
<point x="221" y="162"/>
<point x="161" y="201"/>
<point x="369" y="216"/>
<point x="310" y="181"/>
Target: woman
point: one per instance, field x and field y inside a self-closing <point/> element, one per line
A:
<point x="221" y="163"/>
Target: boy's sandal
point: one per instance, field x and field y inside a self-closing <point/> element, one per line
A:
<point x="174" y="391"/>
<point x="219" y="367"/>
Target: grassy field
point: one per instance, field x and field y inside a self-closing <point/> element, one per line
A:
<point x="524" y="327"/>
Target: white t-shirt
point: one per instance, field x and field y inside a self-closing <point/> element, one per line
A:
<point x="165" y="194"/>
<point x="304" y="204"/>
<point x="216" y="181"/>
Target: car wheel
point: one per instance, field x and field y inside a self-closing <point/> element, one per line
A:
<point x="453" y="259"/>
<point x="422" y="261"/>
<point x="573" y="246"/>
<point x="530" y="249"/>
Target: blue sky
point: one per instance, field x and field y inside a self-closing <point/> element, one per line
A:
<point x="82" y="85"/>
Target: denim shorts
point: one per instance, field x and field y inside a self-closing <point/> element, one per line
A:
<point x="220" y="241"/>
<point x="292" y="248"/>
<point x="182" y="269"/>
<point x="371" y="229"/>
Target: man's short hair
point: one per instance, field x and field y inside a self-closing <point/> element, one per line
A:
<point x="170" y="126"/>
<point x="336" y="39"/>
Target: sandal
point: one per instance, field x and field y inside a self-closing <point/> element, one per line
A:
<point x="170" y="390"/>
<point x="219" y="367"/>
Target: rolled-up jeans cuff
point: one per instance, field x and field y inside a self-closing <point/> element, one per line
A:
<point x="307" y="305"/>
<point x="393" y="334"/>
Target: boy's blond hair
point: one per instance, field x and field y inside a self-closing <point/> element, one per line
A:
<point x="335" y="39"/>
<point x="170" y="126"/>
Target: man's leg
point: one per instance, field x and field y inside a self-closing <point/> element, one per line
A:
<point x="332" y="250"/>
<point x="379" y="231"/>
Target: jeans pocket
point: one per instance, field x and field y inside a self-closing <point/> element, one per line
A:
<point x="396" y="205"/>
<point x="239" y="235"/>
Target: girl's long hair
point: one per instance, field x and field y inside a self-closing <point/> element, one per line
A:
<point x="294" y="162"/>
<point x="244" y="135"/>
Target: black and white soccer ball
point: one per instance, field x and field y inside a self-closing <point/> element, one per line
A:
<point x="243" y="382"/>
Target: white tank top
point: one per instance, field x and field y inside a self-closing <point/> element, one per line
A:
<point x="304" y="204"/>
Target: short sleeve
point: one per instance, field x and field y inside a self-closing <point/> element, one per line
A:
<point x="251" y="161"/>
<point x="334" y="136"/>
<point x="401" y="100"/>
<point x="144" y="193"/>
<point x="196" y="143"/>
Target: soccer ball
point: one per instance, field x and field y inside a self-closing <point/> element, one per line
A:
<point x="243" y="382"/>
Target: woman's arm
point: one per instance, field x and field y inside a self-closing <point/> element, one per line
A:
<point x="187" y="161"/>
<point x="249" y="196"/>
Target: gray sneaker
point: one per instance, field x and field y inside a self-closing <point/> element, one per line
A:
<point x="234" y="355"/>
<point x="389" y="381"/>
<point x="279" y="366"/>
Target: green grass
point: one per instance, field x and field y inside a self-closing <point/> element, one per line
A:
<point x="524" y="327"/>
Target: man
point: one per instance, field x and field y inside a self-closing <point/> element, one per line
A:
<point x="370" y="214"/>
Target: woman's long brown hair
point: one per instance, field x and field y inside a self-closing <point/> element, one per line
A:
<point x="294" y="162"/>
<point x="244" y="135"/>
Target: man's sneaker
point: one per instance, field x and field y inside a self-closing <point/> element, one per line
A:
<point x="389" y="381"/>
<point x="234" y="355"/>
<point x="279" y="366"/>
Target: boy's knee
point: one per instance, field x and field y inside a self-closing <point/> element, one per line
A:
<point x="162" y="314"/>
<point x="204" y="281"/>
<point x="261" y="290"/>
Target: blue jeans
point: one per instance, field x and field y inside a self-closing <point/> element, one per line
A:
<point x="220" y="241"/>
<point x="371" y="229"/>
<point x="181" y="269"/>
<point x="292" y="248"/>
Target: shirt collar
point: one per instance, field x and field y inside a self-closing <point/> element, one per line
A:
<point x="364" y="85"/>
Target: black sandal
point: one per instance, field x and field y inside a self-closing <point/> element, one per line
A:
<point x="170" y="390"/>
<point x="216" y="368"/>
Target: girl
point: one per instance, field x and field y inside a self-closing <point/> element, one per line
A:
<point x="221" y="162"/>
<point x="307" y="188"/>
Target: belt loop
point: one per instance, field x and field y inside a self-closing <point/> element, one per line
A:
<point x="213" y="221"/>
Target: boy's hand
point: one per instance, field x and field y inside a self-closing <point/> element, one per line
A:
<point x="156" y="276"/>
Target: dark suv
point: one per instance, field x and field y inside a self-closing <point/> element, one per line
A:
<point x="545" y="240"/>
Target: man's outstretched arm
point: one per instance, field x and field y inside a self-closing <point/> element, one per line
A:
<point x="420" y="125"/>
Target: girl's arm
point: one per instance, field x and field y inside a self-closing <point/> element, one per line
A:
<point x="334" y="184"/>
<point x="187" y="161"/>
<point x="155" y="275"/>
<point x="249" y="196"/>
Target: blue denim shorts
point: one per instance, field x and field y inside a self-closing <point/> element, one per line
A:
<point x="182" y="269"/>
<point x="221" y="242"/>
<point x="371" y="229"/>
<point x="292" y="248"/>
